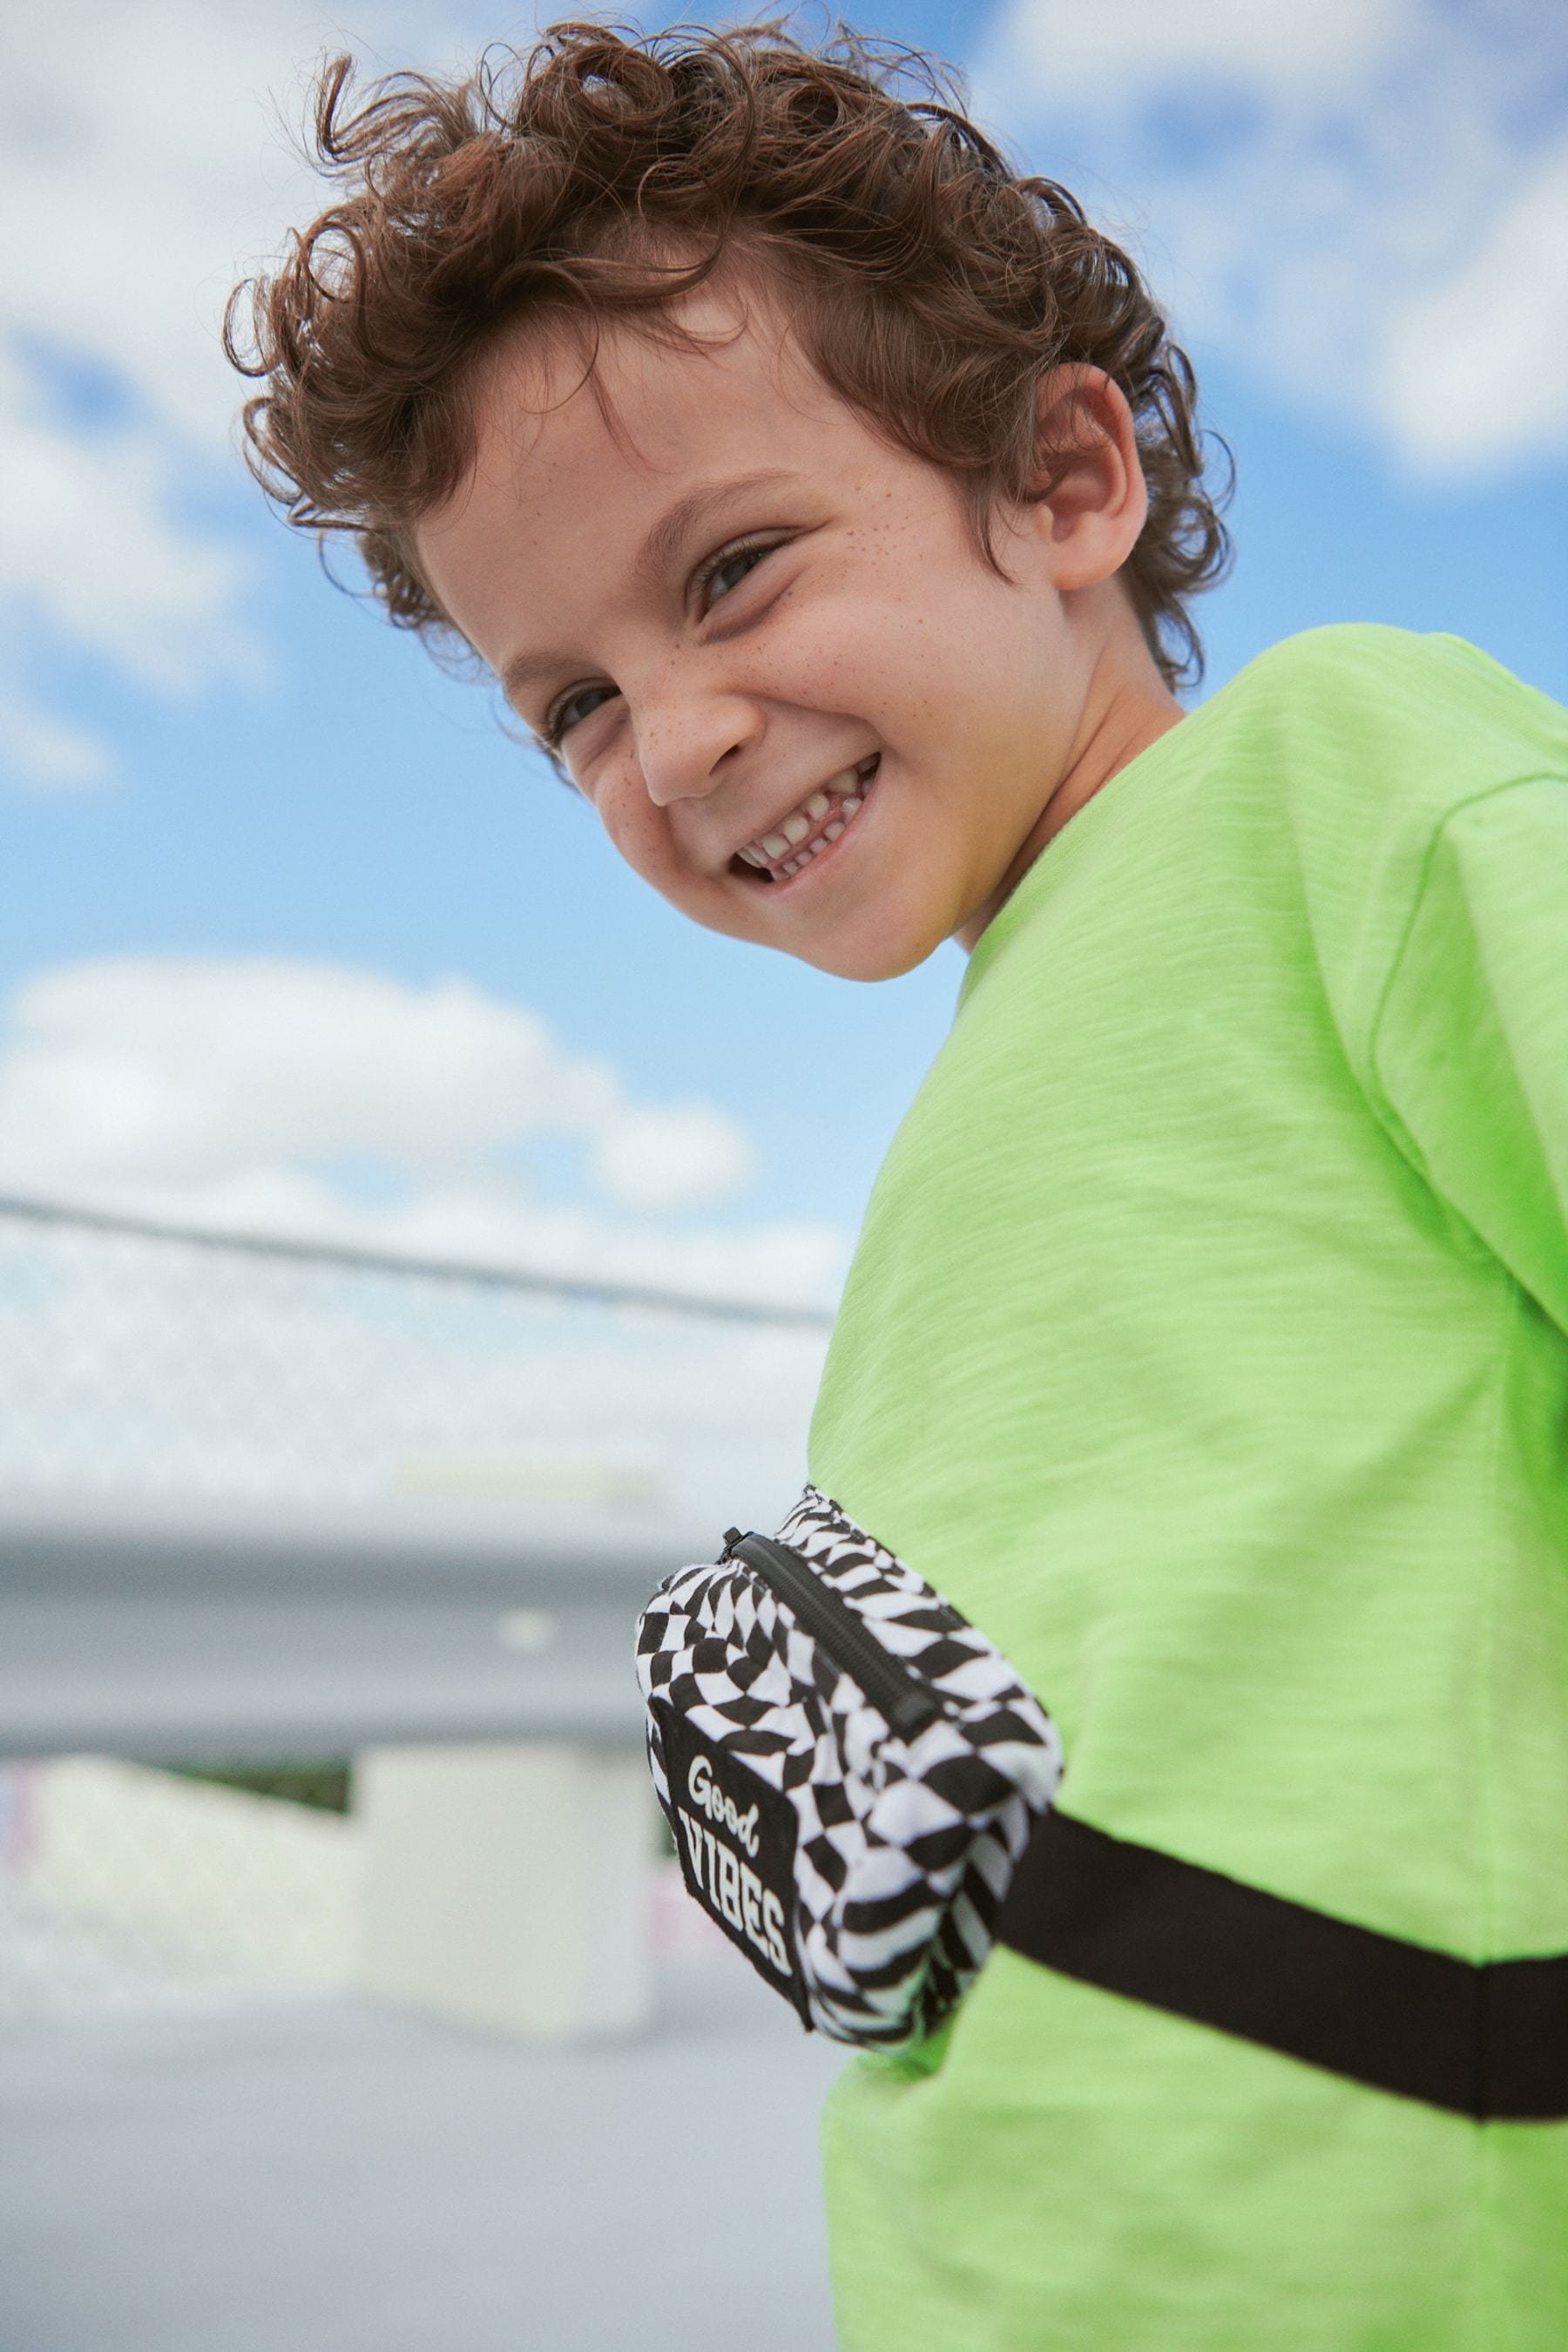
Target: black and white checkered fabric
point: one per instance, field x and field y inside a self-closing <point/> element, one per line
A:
<point x="889" y="1855"/>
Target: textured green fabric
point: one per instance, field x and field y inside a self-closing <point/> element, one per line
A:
<point x="1207" y="1344"/>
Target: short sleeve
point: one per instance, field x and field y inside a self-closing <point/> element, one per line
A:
<point x="1470" y="1049"/>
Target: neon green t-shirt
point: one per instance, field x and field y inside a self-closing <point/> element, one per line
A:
<point x="1207" y="1344"/>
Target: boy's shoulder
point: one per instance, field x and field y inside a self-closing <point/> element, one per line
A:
<point x="1369" y="744"/>
<point x="1360" y="699"/>
<point x="1319" y="778"/>
<point x="1316" y="783"/>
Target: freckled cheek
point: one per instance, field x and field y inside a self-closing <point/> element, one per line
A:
<point x="623" y="809"/>
<point x="640" y="833"/>
<point x="844" y="654"/>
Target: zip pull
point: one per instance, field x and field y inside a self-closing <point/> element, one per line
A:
<point x="899" y="1693"/>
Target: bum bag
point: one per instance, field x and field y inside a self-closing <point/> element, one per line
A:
<point x="861" y="1795"/>
<point x="850" y="1769"/>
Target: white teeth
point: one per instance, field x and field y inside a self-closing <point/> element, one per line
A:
<point x="848" y="789"/>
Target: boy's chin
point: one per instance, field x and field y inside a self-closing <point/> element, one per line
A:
<point x="863" y="953"/>
<point x="883" y="945"/>
<point x="868" y="968"/>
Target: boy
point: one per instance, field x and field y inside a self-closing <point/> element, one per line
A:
<point x="828" y="501"/>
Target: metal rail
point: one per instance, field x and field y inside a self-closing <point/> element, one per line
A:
<point x="139" y="1629"/>
<point x="189" y="1569"/>
<point x="434" y="1269"/>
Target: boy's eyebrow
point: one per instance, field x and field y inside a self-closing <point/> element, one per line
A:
<point x="665" y="539"/>
<point x="527" y="670"/>
<point x="669" y="533"/>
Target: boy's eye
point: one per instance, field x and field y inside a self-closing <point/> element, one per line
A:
<point x="728" y="572"/>
<point x="573" y="709"/>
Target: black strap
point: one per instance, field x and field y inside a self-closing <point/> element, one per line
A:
<point x="1487" y="2041"/>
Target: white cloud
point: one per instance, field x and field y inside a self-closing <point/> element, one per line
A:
<point x="145" y="163"/>
<point x="1361" y="202"/>
<point x="174" y="1070"/>
<point x="672" y="1156"/>
<point x="1115" y="51"/>
<point x="251" y="1081"/>
<point x="1477" y="366"/>
<point x="92" y="546"/>
<point x="45" y="750"/>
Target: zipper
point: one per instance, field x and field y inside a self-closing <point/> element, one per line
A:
<point x="896" y="1690"/>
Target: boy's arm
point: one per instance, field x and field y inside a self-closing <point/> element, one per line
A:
<point x="1471" y="1041"/>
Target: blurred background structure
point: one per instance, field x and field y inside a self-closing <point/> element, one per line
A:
<point x="302" y="948"/>
<point x="317" y="1575"/>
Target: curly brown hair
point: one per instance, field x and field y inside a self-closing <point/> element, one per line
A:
<point x="602" y="176"/>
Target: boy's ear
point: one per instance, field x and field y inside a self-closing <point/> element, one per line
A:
<point x="1088" y="493"/>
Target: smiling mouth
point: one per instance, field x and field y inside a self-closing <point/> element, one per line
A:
<point x="810" y="830"/>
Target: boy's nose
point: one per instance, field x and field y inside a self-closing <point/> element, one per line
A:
<point x="687" y="746"/>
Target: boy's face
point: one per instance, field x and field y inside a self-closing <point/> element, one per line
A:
<point x="762" y="640"/>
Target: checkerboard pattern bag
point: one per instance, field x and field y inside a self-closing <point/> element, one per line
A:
<point x="849" y="1769"/>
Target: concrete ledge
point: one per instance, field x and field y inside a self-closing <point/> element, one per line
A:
<point x="504" y="1885"/>
<point x="242" y="1880"/>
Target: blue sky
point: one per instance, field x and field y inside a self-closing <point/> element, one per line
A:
<point x="296" y="936"/>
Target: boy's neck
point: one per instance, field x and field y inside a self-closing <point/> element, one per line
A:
<point x="1128" y="706"/>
